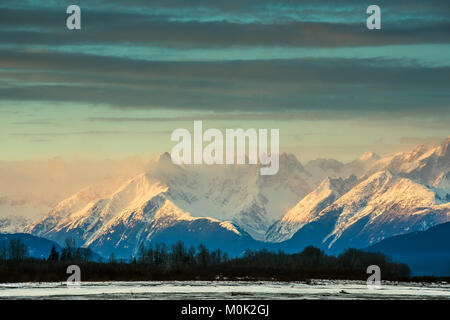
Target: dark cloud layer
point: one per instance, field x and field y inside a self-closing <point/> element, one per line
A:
<point x="296" y="84"/>
<point x="245" y="6"/>
<point x="101" y="27"/>
<point x="32" y="70"/>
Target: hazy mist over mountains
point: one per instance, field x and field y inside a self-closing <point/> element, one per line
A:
<point x="325" y="203"/>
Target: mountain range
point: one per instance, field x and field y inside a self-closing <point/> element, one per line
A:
<point x="325" y="203"/>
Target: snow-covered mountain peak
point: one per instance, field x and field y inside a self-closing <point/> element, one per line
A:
<point x="381" y="197"/>
<point x="384" y="205"/>
<point x="222" y="193"/>
<point x="374" y="181"/>
<point x="76" y="201"/>
<point x="159" y="216"/>
<point x="359" y="196"/>
<point x="133" y="194"/>
<point x="369" y="156"/>
<point x="309" y="207"/>
<point x="423" y="164"/>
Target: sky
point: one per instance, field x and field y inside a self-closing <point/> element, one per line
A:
<point x="139" y="69"/>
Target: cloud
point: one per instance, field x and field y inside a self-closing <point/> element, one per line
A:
<point x="187" y="35"/>
<point x="43" y="183"/>
<point x="274" y="89"/>
<point x="33" y="73"/>
<point x="79" y="133"/>
<point x="248" y="86"/>
<point x="252" y="8"/>
<point x="45" y="26"/>
<point x="4" y="200"/>
<point x="35" y="122"/>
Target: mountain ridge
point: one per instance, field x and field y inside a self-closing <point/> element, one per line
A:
<point x="383" y="196"/>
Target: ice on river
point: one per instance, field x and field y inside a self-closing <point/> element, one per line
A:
<point x="167" y="290"/>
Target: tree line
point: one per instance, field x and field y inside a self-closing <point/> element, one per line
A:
<point x="179" y="262"/>
<point x="70" y="252"/>
<point x="15" y="249"/>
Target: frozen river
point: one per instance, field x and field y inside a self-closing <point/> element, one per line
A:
<point x="318" y="289"/>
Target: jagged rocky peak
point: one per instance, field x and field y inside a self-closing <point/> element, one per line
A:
<point x="290" y="161"/>
<point x="165" y="158"/>
<point x="162" y="167"/>
<point x="341" y="185"/>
